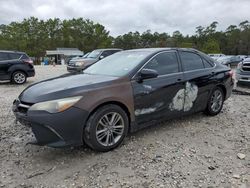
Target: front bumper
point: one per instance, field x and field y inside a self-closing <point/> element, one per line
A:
<point x="55" y="130"/>
<point x="74" y="69"/>
<point x="242" y="76"/>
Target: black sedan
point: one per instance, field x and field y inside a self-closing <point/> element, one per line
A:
<point x="123" y="93"/>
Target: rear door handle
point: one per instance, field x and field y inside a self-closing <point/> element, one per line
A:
<point x="179" y="80"/>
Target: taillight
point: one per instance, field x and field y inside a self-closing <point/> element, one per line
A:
<point x="231" y="73"/>
<point x="28" y="61"/>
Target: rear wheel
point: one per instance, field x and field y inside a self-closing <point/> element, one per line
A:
<point x="106" y="128"/>
<point x="18" y="77"/>
<point x="215" y="102"/>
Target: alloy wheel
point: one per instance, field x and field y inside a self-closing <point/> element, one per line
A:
<point x="110" y="129"/>
<point x="19" y="78"/>
<point x="216" y="100"/>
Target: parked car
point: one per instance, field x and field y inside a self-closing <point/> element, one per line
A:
<point x="68" y="58"/>
<point x="86" y="55"/>
<point x="216" y="56"/>
<point x="229" y="60"/>
<point x="243" y="71"/>
<point x="242" y="57"/>
<point x="123" y="93"/>
<point x="79" y="64"/>
<point x="15" y="66"/>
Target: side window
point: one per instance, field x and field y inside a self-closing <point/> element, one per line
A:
<point x="207" y="64"/>
<point x="107" y="53"/>
<point x="113" y="51"/>
<point x="4" y="56"/>
<point x="164" y="63"/>
<point x="24" y="56"/>
<point x="14" y="56"/>
<point x="191" y="61"/>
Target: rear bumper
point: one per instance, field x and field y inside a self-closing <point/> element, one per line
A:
<point x="55" y="130"/>
<point x="31" y="72"/>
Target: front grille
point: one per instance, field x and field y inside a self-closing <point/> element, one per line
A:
<point x="246" y="67"/>
<point x="72" y="64"/>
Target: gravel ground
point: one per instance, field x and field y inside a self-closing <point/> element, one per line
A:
<point x="193" y="151"/>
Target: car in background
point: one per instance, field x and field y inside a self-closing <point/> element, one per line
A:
<point x="79" y="64"/>
<point x="216" y="56"/>
<point x="15" y="66"/>
<point x="123" y="93"/>
<point x="242" y="57"/>
<point x="243" y="71"/>
<point x="86" y="55"/>
<point x="68" y="58"/>
<point x="229" y="60"/>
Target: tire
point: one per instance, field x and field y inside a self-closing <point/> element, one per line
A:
<point x="214" y="106"/>
<point x="99" y="129"/>
<point x="18" y="77"/>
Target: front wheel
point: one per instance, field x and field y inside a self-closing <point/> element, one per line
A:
<point x="106" y="128"/>
<point x="19" y="77"/>
<point x="215" y="102"/>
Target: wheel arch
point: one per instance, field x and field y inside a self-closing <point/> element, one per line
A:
<point x="118" y="103"/>
<point x="223" y="89"/>
<point x="18" y="70"/>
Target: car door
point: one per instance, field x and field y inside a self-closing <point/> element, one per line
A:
<point x="154" y="98"/>
<point x="4" y="64"/>
<point x="199" y="80"/>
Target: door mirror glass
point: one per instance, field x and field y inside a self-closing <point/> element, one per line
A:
<point x="147" y="74"/>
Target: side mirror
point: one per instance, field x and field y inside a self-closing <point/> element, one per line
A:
<point x="147" y="74"/>
<point x="101" y="57"/>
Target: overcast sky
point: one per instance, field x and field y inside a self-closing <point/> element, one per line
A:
<point x="122" y="16"/>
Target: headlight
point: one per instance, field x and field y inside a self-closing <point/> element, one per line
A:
<point x="80" y="63"/>
<point x="55" y="105"/>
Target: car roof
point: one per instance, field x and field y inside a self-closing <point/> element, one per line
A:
<point x="155" y="50"/>
<point x="103" y="49"/>
<point x="9" y="51"/>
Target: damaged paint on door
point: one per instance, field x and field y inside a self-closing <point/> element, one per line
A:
<point x="178" y="102"/>
<point x="184" y="98"/>
<point x="148" y="110"/>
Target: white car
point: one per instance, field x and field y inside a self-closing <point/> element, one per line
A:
<point x="216" y="56"/>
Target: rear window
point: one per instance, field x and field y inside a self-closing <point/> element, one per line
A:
<point x="4" y="56"/>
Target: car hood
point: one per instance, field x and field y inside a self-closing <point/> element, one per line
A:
<point x="86" y="60"/>
<point x="65" y="86"/>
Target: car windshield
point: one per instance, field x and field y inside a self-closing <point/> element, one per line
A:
<point x="94" y="54"/>
<point x="118" y="64"/>
<point x="86" y="55"/>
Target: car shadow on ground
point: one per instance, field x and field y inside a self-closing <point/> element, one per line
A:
<point x="9" y="83"/>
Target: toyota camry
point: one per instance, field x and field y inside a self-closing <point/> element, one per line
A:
<point x="123" y="93"/>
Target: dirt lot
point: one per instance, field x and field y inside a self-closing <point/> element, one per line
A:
<point x="194" y="151"/>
